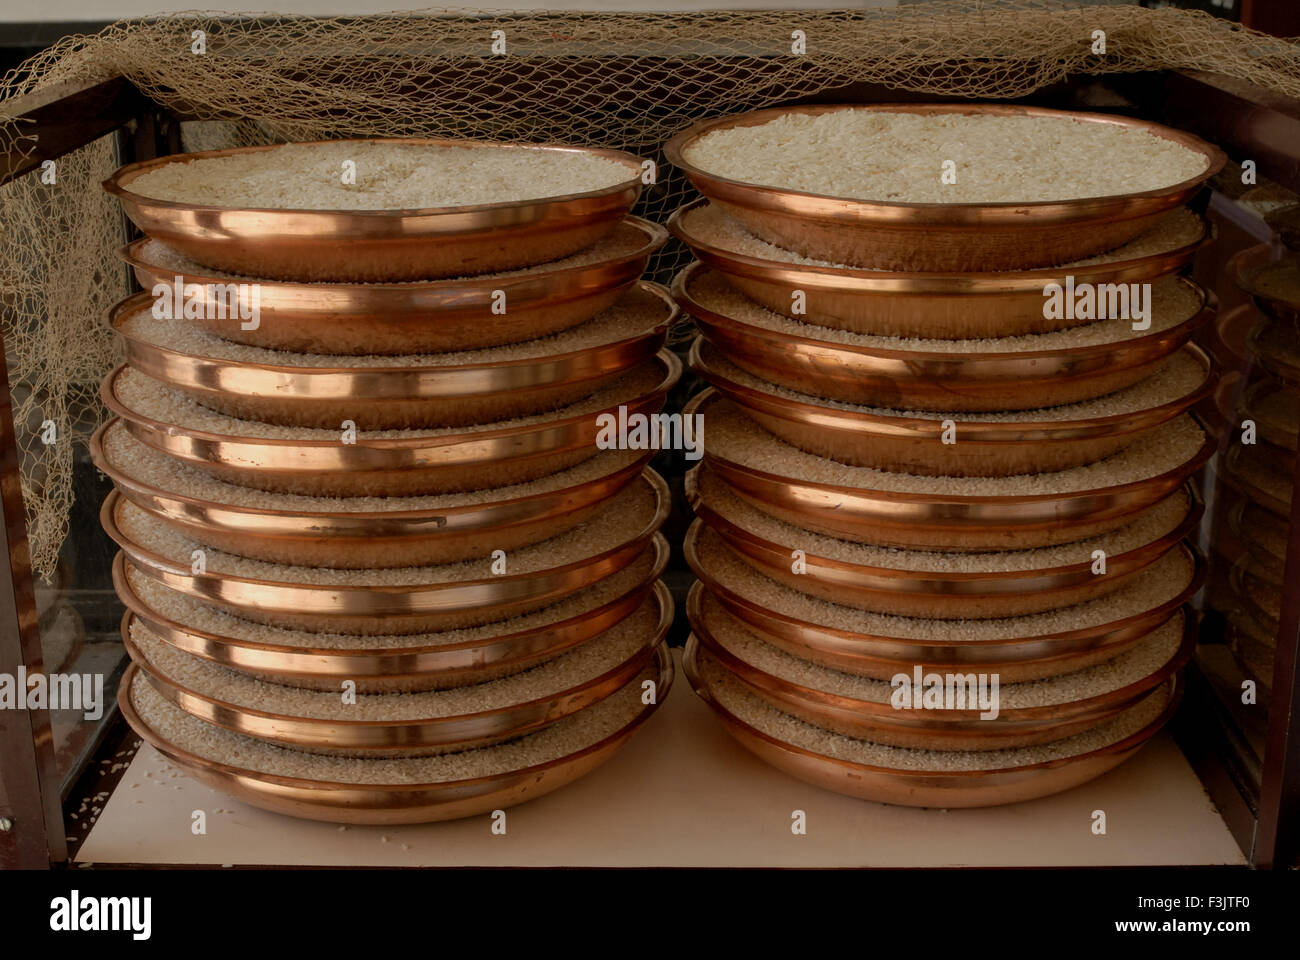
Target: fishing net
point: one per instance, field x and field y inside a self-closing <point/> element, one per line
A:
<point x="618" y="80"/>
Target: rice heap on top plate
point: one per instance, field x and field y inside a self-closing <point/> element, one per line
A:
<point x="388" y="176"/>
<point x="506" y="622"/>
<point x="895" y="157"/>
<point x="831" y="568"/>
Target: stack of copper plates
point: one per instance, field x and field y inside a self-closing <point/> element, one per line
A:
<point x="1255" y="466"/>
<point x="940" y="534"/>
<point x="378" y="563"/>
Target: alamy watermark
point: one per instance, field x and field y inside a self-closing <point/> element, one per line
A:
<point x="179" y="300"/>
<point x="653" y="431"/>
<point x="55" y="691"/>
<point x="1098" y="301"/>
<point x="952" y="691"/>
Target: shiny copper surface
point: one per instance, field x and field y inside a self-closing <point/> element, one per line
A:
<point x="377" y="610"/>
<point x="369" y="539"/>
<point x="939" y="594"/>
<point x="398" y="803"/>
<point x="418" y="737"/>
<point x="942" y="381"/>
<point x="418" y="317"/>
<point x="940" y="236"/>
<point x="383" y="398"/>
<point x="982" y="448"/>
<point x="404" y="669"/>
<point x="408" y="466"/>
<point x="941" y="521"/>
<point x="947" y="789"/>
<point x="930" y="729"/>
<point x="1015" y="660"/>
<point x="378" y="245"/>
<point x="950" y="305"/>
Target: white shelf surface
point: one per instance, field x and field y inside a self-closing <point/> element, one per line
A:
<point x="683" y="794"/>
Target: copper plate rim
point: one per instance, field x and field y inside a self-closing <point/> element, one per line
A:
<point x="1269" y="361"/>
<point x="118" y="183"/>
<point x="667" y="360"/>
<point x="199" y="365"/>
<point x="975" y="431"/>
<point x="1257" y="548"/>
<point x="314" y="726"/>
<point x="949" y="776"/>
<point x="1259" y="391"/>
<point x="368" y="661"/>
<point x="656" y="237"/>
<point x="1226" y="470"/>
<point x="851" y="210"/>
<point x="1182" y="471"/>
<point x="732" y="532"/>
<point x="861" y="280"/>
<point x="128" y="485"/>
<point x="1163" y="611"/>
<point x="1181" y="332"/>
<point x="372" y="795"/>
<point x="139" y="556"/>
<point x="1245" y="265"/>
<point x="938" y="719"/>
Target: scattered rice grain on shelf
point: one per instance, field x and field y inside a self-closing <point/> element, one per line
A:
<point x="389" y="176"/>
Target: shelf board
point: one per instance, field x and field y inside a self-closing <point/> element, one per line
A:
<point x="683" y="794"/>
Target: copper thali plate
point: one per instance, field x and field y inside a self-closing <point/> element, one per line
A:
<point x="939" y="236"/>
<point x="920" y="788"/>
<point x="407" y="466"/>
<point x="936" y="729"/>
<point x="1279" y="428"/>
<point x="1271" y="464"/>
<point x="1273" y="344"/>
<point x="1273" y="284"/>
<point x="397" y="803"/>
<point x="387" y="609"/>
<point x="903" y="444"/>
<point x="1015" y="660"/>
<point x="405" y="397"/>
<point x="405" y="669"/>
<point x="369" y="539"/>
<point x="939" y="594"/>
<point x="436" y="316"/>
<point x="379" y="245"/>
<point x="905" y="379"/>
<point x="416" y="737"/>
<point x="949" y="305"/>
<point x="941" y="521"/>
